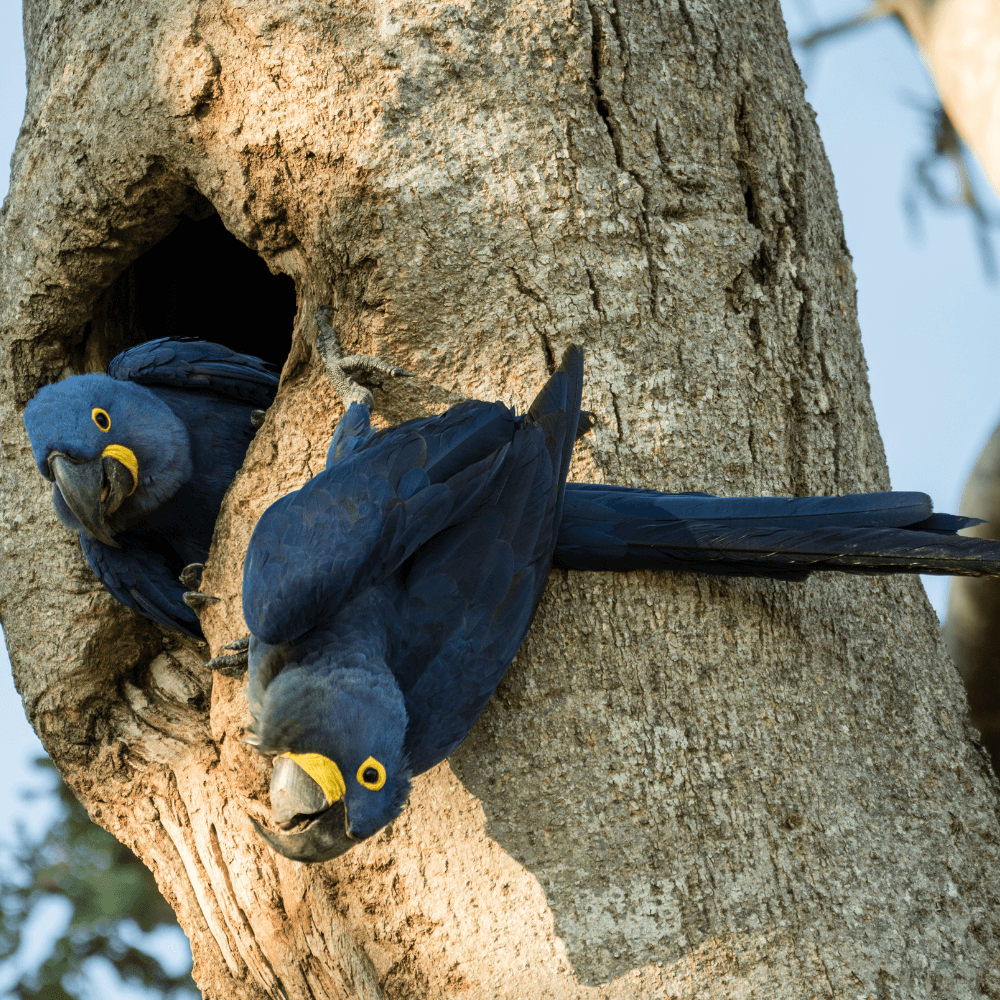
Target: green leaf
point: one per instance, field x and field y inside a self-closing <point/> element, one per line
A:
<point x="109" y="890"/>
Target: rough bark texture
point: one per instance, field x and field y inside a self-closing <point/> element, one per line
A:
<point x="684" y="787"/>
<point x="974" y="606"/>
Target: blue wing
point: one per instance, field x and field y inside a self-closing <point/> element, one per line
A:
<point x="471" y="592"/>
<point x="354" y="523"/>
<point x="184" y="363"/>
<point x="616" y="528"/>
<point x="142" y="576"/>
<point x="462" y="561"/>
<point x="462" y="435"/>
<point x="381" y="495"/>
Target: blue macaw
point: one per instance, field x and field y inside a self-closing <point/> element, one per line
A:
<point x="387" y="597"/>
<point x="188" y="408"/>
<point x="140" y="459"/>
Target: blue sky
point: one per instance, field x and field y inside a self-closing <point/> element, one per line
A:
<point x="928" y="316"/>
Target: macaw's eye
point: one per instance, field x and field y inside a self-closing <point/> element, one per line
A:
<point x="101" y="418"/>
<point x="371" y="774"/>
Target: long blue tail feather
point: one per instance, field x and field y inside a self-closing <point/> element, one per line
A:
<point x="616" y="528"/>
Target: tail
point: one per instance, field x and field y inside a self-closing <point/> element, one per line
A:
<point x="616" y="528"/>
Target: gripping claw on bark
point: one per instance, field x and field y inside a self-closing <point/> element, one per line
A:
<point x="234" y="665"/>
<point x="191" y="575"/>
<point x="351" y="376"/>
<point x="198" y="601"/>
<point x="257" y="417"/>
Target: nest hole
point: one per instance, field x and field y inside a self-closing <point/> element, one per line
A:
<point x="199" y="281"/>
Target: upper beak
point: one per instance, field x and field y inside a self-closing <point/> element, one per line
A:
<point x="92" y="490"/>
<point x="295" y="798"/>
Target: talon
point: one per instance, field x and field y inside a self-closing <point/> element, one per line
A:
<point x="257" y="417"/>
<point x="228" y="666"/>
<point x="365" y="364"/>
<point x="191" y="575"/>
<point x="234" y="665"/>
<point x="198" y="601"/>
<point x="342" y="371"/>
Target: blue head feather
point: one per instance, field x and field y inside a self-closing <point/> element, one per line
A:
<point x="348" y="715"/>
<point x="59" y="418"/>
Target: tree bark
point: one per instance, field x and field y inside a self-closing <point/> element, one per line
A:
<point x="685" y="786"/>
<point x="971" y="629"/>
<point x="960" y="43"/>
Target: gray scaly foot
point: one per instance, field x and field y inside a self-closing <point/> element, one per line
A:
<point x="350" y="376"/>
<point x="191" y="575"/>
<point x="234" y="665"/>
<point x="197" y="601"/>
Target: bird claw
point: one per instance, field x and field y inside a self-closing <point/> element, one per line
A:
<point x="198" y="601"/>
<point x="234" y="665"/>
<point x="352" y="376"/>
<point x="257" y="417"/>
<point x="191" y="575"/>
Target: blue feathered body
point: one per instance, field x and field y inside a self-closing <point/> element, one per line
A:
<point x="183" y="407"/>
<point x="388" y="596"/>
<point x="418" y="555"/>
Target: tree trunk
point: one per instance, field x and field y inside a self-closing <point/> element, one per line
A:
<point x="971" y="630"/>
<point x="960" y="43"/>
<point x="685" y="786"/>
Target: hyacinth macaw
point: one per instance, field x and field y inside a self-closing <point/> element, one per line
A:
<point x="140" y="458"/>
<point x="190" y="408"/>
<point x="387" y="597"/>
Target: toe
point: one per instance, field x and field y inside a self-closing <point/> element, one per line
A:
<point x="198" y="601"/>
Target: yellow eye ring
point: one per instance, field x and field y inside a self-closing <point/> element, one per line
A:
<point x="364" y="775"/>
<point x="101" y="418"/>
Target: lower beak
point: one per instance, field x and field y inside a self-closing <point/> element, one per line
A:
<point x="92" y="490"/>
<point x="296" y="798"/>
<point x="324" y="837"/>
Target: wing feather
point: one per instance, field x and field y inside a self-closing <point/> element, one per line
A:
<point x="184" y="363"/>
<point x="615" y="528"/>
<point x="141" y="577"/>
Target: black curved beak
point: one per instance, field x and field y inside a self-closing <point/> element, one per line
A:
<point x="92" y="490"/>
<point x="297" y="799"/>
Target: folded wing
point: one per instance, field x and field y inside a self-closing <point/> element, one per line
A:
<point x="184" y="363"/>
<point x="142" y="574"/>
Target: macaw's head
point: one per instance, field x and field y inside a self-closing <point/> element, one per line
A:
<point x="113" y="449"/>
<point x="340" y="773"/>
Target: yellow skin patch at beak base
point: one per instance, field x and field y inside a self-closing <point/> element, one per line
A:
<point x="323" y="771"/>
<point x="127" y="457"/>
